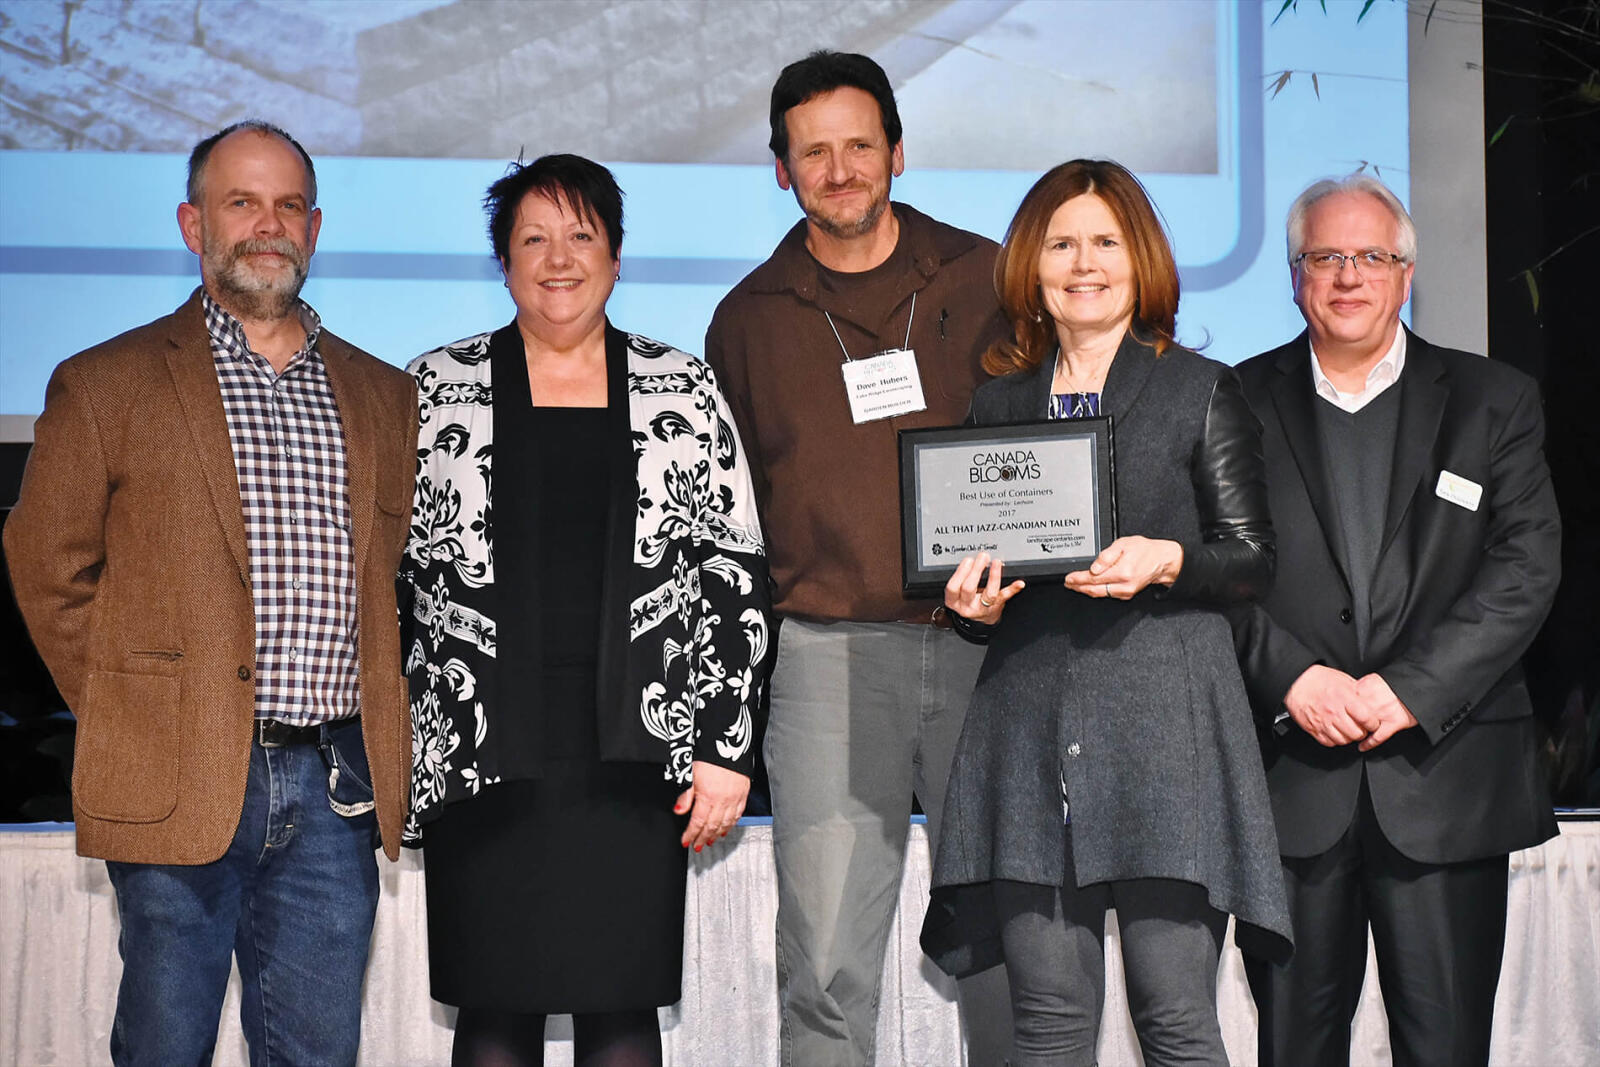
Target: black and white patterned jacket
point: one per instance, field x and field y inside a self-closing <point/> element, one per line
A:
<point x="684" y="638"/>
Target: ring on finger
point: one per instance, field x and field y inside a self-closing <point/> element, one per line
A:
<point x="1107" y="588"/>
<point x="985" y="601"/>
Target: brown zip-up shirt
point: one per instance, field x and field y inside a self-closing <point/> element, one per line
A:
<point x="828" y="489"/>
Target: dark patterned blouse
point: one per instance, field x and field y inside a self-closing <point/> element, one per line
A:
<point x="1074" y="405"/>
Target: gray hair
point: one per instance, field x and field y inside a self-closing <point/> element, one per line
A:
<point x="201" y="155"/>
<point x="1351" y="183"/>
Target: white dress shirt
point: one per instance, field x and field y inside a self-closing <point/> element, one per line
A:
<point x="1380" y="377"/>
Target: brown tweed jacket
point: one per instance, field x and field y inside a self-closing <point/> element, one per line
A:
<point x="127" y="553"/>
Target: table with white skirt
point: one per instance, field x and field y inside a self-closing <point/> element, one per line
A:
<point x="59" y="967"/>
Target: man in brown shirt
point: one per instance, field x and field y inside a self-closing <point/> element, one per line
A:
<point x="868" y="695"/>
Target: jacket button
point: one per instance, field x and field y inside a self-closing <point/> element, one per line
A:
<point x="244" y="674"/>
<point x="1345" y="615"/>
<point x="1073" y="750"/>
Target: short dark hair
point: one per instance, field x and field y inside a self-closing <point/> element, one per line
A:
<point x="200" y="155"/>
<point x="823" y="72"/>
<point x="586" y="187"/>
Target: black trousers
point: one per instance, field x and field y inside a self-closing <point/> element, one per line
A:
<point x="1439" y="932"/>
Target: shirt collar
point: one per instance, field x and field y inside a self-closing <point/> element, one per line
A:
<point x="228" y="336"/>
<point x="1383" y="374"/>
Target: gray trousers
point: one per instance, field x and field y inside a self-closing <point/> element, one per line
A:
<point x="1054" y="947"/>
<point x="863" y="715"/>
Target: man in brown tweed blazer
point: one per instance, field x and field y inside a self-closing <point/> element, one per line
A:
<point x="204" y="550"/>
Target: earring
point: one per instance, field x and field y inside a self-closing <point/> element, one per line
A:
<point x="618" y="277"/>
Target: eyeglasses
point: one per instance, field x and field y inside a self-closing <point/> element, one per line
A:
<point x="1326" y="264"/>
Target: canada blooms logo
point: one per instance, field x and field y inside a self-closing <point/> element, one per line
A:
<point x="1011" y="465"/>
<point x="938" y="549"/>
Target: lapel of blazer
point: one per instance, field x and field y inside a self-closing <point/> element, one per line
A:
<point x="1030" y="400"/>
<point x="194" y="375"/>
<point x="1422" y="400"/>
<point x="360" y="458"/>
<point x="1294" y="397"/>
<point x="1130" y="369"/>
<point x="1126" y="378"/>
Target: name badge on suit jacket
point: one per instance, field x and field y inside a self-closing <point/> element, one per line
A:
<point x="1462" y="492"/>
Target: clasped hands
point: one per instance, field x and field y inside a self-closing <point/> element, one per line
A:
<point x="1122" y="571"/>
<point x="1337" y="709"/>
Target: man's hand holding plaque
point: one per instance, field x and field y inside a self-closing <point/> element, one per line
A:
<point x="970" y="596"/>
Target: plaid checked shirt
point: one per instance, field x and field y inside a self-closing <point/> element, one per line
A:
<point x="288" y="449"/>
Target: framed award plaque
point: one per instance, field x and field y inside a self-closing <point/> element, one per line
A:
<point x="1038" y="496"/>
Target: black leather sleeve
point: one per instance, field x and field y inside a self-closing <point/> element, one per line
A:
<point x="1235" y="559"/>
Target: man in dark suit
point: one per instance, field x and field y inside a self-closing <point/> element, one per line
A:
<point x="204" y="550"/>
<point x="1418" y="547"/>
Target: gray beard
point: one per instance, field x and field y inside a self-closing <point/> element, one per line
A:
<point x="248" y="295"/>
<point x="257" y="305"/>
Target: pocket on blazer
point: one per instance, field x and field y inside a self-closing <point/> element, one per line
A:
<point x="394" y="504"/>
<point x="394" y="491"/>
<point x="125" y="768"/>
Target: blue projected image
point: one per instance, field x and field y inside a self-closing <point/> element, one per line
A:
<point x="411" y="108"/>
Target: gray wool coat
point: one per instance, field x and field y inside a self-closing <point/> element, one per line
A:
<point x="1137" y="705"/>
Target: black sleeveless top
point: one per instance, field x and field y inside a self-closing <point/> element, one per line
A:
<point x="548" y="505"/>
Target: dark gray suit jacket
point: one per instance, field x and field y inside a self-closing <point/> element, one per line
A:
<point x="1457" y="595"/>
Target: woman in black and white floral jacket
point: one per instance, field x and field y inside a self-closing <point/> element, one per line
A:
<point x="589" y="629"/>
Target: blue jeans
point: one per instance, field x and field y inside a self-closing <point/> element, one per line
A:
<point x="294" y="896"/>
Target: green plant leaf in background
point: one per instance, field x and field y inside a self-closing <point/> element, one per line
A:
<point x="1294" y="5"/>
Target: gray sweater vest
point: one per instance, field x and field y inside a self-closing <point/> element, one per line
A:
<point x="1358" y="455"/>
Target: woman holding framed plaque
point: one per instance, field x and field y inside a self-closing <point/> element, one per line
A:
<point x="589" y="641"/>
<point x="1109" y="757"/>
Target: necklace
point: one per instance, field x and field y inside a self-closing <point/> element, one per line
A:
<point x="1065" y="380"/>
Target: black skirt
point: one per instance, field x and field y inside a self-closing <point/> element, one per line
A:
<point x="560" y="894"/>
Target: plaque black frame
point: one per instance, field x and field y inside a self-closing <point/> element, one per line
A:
<point x="920" y="581"/>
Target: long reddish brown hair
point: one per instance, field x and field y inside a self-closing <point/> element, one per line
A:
<point x="1016" y="269"/>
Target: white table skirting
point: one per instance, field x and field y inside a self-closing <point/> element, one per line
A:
<point x="59" y="968"/>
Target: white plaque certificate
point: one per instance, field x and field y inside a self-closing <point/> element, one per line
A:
<point x="1038" y="496"/>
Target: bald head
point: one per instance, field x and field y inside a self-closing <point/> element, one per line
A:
<point x="200" y="156"/>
